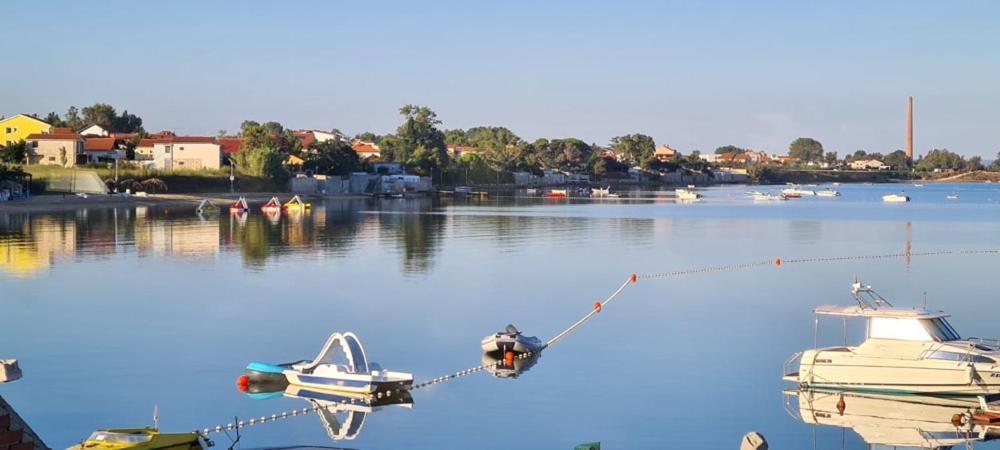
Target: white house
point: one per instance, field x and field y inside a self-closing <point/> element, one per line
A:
<point x="868" y="164"/>
<point x="187" y="152"/>
<point x="94" y="130"/>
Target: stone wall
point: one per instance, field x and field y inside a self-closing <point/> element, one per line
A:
<point x="15" y="434"/>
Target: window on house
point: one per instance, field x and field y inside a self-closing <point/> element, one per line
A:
<point x="52" y="158"/>
<point x="182" y="149"/>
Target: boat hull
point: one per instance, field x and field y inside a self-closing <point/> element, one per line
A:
<point x="345" y="382"/>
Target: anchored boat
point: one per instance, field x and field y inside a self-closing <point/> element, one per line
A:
<point x="905" y="351"/>
<point x="272" y="205"/>
<point x="142" y="439"/>
<point x="240" y="206"/>
<point x="798" y="191"/>
<point x="828" y="193"/>
<point x="895" y="198"/>
<point x="341" y="365"/>
<point x="511" y="340"/>
<point x="686" y="195"/>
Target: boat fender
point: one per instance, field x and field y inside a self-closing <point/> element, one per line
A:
<point x="508" y="358"/>
<point x="243" y="383"/>
<point x="597" y="306"/>
<point x="841" y="405"/>
<point x="633" y="278"/>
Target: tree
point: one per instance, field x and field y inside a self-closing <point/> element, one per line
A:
<point x="269" y="135"/>
<point x="633" y="147"/>
<point x="367" y="136"/>
<point x="501" y="148"/>
<point x="332" y="158"/>
<point x="53" y="119"/>
<point x="456" y="137"/>
<point x="261" y="162"/>
<point x="127" y="123"/>
<point x="830" y="157"/>
<point x="941" y="159"/>
<point x="897" y="160"/>
<point x="974" y="163"/>
<point x="419" y="129"/>
<point x="73" y="119"/>
<point x="101" y="114"/>
<point x="806" y="149"/>
<point x="729" y="149"/>
<point x="14" y="153"/>
<point x="996" y="163"/>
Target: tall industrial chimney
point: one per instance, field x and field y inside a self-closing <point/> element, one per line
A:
<point x="909" y="128"/>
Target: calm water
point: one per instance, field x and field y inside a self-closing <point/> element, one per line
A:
<point x="113" y="311"/>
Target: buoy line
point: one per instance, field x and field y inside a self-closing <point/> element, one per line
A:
<point x="597" y="307"/>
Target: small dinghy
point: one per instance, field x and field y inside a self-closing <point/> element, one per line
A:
<point x="511" y="340"/>
<point x="206" y="207"/>
<point x="340" y="366"/>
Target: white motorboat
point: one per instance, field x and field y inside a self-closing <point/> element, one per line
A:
<point x="341" y="365"/>
<point x="895" y="421"/>
<point x="951" y="197"/>
<point x="511" y="340"/>
<point x="531" y="191"/>
<point x="828" y="193"/>
<point x="463" y="190"/>
<point x="765" y="197"/>
<point x="906" y="351"/>
<point x="600" y="192"/>
<point x="686" y="194"/>
<point x="798" y="191"/>
<point x="895" y="198"/>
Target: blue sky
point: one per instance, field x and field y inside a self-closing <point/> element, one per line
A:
<point x="695" y="75"/>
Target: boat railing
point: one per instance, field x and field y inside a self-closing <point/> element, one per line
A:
<point x="789" y="363"/>
<point x="988" y="342"/>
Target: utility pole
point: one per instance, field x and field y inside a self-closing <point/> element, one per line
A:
<point x="232" y="177"/>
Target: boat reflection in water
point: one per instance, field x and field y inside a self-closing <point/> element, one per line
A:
<point x="895" y="421"/>
<point x="501" y="367"/>
<point x="342" y="414"/>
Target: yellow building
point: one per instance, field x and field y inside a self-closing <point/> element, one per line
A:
<point x="18" y="128"/>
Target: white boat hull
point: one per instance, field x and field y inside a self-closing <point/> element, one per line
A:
<point x="347" y="382"/>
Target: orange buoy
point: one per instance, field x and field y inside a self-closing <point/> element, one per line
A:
<point x="508" y="358"/>
<point x="777" y="262"/>
<point x="841" y="405"/>
<point x="633" y="278"/>
<point x="243" y="383"/>
<point x="597" y="306"/>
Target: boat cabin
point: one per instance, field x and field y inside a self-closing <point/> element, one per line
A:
<point x="897" y="323"/>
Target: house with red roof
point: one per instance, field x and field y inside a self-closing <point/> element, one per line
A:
<point x="100" y="148"/>
<point x="230" y="145"/>
<point x="186" y="152"/>
<point x="366" y="149"/>
<point x="59" y="147"/>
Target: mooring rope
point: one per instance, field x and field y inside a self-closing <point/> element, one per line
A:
<point x="598" y="306"/>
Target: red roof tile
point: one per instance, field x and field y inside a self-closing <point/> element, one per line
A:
<point x="149" y="142"/>
<point x="365" y="148"/>
<point x="52" y="137"/>
<point x="99" y="144"/>
<point x="230" y="145"/>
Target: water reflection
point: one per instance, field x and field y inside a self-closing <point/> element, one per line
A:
<point x="501" y="367"/>
<point x="342" y="415"/>
<point x="913" y="421"/>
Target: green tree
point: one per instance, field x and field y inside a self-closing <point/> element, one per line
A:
<point x="268" y="134"/>
<point x="127" y="123"/>
<point x="633" y="147"/>
<point x="501" y="149"/>
<point x="419" y="129"/>
<point x="14" y="153"/>
<point x="996" y="163"/>
<point x="456" y="137"/>
<point x="101" y="114"/>
<point x="974" y="163"/>
<point x="729" y="149"/>
<point x="897" y="160"/>
<point x="368" y="136"/>
<point x="261" y="162"/>
<point x="830" y="157"/>
<point x="332" y="158"/>
<point x="940" y="159"/>
<point x="53" y="119"/>
<point x="73" y="119"/>
<point x="806" y="149"/>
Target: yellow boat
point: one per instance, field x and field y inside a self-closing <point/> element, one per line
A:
<point x="142" y="439"/>
<point x="296" y="204"/>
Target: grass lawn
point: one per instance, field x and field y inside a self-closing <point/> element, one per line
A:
<point x="178" y="181"/>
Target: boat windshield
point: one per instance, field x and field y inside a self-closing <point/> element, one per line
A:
<point x="930" y="330"/>
<point x="120" y="438"/>
<point x="941" y="330"/>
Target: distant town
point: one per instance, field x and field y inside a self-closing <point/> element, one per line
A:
<point x="269" y="156"/>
